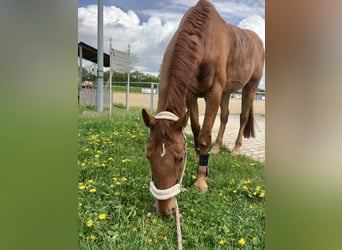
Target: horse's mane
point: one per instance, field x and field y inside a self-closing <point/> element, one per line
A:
<point x="186" y="57"/>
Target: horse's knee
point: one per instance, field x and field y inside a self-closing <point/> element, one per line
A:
<point x="204" y="142"/>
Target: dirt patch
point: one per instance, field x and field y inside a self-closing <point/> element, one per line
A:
<point x="143" y="100"/>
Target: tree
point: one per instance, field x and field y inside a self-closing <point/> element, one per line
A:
<point x="88" y="76"/>
<point x="135" y="76"/>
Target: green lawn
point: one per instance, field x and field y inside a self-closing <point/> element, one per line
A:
<point x="115" y="205"/>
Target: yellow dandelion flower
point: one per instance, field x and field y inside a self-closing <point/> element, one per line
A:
<point x="244" y="187"/>
<point x="125" y="160"/>
<point x="252" y="164"/>
<point x="86" y="149"/>
<point x="102" y="216"/>
<point x="250" y="206"/>
<point x="149" y="241"/>
<point x="222" y="242"/>
<point x="262" y="195"/>
<point x="118" y="183"/>
<point x="92" y="237"/>
<point x="110" y="159"/>
<point x="194" y="177"/>
<point x="90" y="181"/>
<point x="241" y="241"/>
<point x="234" y="191"/>
<point x="114" y="179"/>
<point x="124" y="179"/>
<point x="154" y="221"/>
<point x="89" y="223"/>
<point x="165" y="237"/>
<point x="254" y="193"/>
<point x="93" y="190"/>
<point x="111" y="186"/>
<point x="82" y="187"/>
<point x="133" y="136"/>
<point x="258" y="188"/>
<point x="83" y="164"/>
<point x="246" y="182"/>
<point x="231" y="182"/>
<point x="97" y="156"/>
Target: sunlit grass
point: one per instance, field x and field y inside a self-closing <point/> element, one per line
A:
<point x="115" y="206"/>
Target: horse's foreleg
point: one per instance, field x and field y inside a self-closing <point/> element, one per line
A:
<point x="204" y="138"/>
<point x="223" y="122"/>
<point x="195" y="126"/>
<point x="246" y="116"/>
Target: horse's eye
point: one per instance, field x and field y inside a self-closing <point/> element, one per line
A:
<point x="179" y="160"/>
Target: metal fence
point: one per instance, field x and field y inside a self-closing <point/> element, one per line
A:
<point x="142" y="94"/>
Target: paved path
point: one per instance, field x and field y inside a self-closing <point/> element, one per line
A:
<point x="253" y="147"/>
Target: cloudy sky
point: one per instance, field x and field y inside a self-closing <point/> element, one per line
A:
<point x="148" y="25"/>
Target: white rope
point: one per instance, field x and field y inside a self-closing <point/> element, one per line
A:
<point x="179" y="231"/>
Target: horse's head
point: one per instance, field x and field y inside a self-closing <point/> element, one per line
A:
<point x="166" y="151"/>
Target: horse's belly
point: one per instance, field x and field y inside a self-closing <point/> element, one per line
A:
<point x="233" y="86"/>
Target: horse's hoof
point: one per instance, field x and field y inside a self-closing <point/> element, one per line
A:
<point x="236" y="152"/>
<point x="215" y="150"/>
<point x="201" y="185"/>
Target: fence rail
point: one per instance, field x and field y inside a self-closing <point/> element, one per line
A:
<point x="144" y="94"/>
<point x="88" y="95"/>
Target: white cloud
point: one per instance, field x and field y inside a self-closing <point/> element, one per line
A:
<point x="149" y="38"/>
<point x="257" y="24"/>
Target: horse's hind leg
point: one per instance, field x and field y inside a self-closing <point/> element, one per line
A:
<point x="223" y="122"/>
<point x="246" y="116"/>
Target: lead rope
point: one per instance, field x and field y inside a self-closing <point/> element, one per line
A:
<point x="179" y="232"/>
<point x="165" y="115"/>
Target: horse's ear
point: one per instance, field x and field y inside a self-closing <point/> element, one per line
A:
<point x="149" y="120"/>
<point x="182" y="121"/>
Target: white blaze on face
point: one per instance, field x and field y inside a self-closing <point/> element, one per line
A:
<point x="164" y="151"/>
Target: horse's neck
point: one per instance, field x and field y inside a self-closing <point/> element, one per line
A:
<point x="165" y="103"/>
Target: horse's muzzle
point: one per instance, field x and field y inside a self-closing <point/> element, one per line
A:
<point x="165" y="207"/>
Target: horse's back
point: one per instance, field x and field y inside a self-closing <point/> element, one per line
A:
<point x="246" y="56"/>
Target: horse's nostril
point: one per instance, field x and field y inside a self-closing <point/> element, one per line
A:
<point x="173" y="210"/>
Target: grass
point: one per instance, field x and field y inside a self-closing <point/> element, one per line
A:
<point x="115" y="205"/>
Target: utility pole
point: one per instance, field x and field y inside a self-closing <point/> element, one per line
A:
<point x="110" y="77"/>
<point x="128" y="76"/>
<point x="99" y="87"/>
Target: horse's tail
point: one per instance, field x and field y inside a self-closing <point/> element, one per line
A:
<point x="249" y="128"/>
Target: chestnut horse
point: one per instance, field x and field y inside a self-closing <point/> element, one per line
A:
<point x="206" y="58"/>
